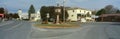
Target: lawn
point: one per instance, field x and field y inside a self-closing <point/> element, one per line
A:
<point x="66" y="25"/>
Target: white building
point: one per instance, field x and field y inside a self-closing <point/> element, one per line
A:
<point x="34" y="17"/>
<point x="79" y="14"/>
<point x="72" y="16"/>
<point x="22" y="15"/>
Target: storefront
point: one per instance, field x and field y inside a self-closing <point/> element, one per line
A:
<point x="1" y="17"/>
<point x="110" y="17"/>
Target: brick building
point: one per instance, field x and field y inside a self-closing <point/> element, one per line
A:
<point x="110" y="17"/>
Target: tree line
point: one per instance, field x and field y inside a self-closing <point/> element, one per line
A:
<point x="109" y="9"/>
<point x="8" y="15"/>
<point x="1" y="10"/>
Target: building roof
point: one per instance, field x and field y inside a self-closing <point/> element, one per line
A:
<point x="72" y="8"/>
<point x="106" y="15"/>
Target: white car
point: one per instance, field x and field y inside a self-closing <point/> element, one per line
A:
<point x="83" y="20"/>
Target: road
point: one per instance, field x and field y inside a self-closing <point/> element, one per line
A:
<point x="24" y="30"/>
<point x="15" y="30"/>
<point x="97" y="30"/>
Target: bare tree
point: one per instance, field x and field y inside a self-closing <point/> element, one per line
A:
<point x="110" y="9"/>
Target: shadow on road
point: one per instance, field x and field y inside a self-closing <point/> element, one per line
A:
<point x="116" y="23"/>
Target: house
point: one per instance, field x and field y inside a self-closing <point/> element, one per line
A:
<point x="79" y="14"/>
<point x="22" y="15"/>
<point x="72" y="16"/>
<point x="34" y="17"/>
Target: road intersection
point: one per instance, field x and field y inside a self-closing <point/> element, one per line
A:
<point x="92" y="30"/>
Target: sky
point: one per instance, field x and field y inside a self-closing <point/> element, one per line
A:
<point x="14" y="5"/>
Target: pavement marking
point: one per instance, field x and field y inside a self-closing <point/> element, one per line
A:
<point x="41" y="29"/>
<point x="13" y="27"/>
<point x="6" y="24"/>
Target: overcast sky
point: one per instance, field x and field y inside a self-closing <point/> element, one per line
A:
<point x="14" y="5"/>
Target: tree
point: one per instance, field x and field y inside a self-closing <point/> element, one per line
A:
<point x="7" y="16"/>
<point x="110" y="9"/>
<point x="118" y="11"/>
<point x="15" y="15"/>
<point x="94" y="12"/>
<point x="1" y="10"/>
<point x="31" y="11"/>
<point x="51" y="10"/>
<point x="43" y="12"/>
<point x="10" y="15"/>
<point x="100" y="12"/>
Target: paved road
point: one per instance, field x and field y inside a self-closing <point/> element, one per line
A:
<point x="103" y="30"/>
<point x="24" y="30"/>
<point x="15" y="30"/>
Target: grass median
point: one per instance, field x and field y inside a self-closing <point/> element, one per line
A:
<point x="66" y="25"/>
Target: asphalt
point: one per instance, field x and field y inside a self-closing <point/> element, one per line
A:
<point x="25" y="30"/>
<point x="97" y="30"/>
<point x="15" y="30"/>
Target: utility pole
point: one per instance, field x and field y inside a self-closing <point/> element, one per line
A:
<point x="64" y="10"/>
<point x="5" y="11"/>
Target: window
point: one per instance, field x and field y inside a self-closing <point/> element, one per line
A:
<point x="84" y="11"/>
<point x="72" y="15"/>
<point x="73" y="11"/>
<point x="88" y="12"/>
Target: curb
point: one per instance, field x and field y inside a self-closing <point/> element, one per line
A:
<point x="52" y="29"/>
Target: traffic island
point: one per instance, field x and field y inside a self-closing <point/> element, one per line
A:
<point x="67" y="25"/>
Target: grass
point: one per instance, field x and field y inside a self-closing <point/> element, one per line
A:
<point x="66" y="25"/>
